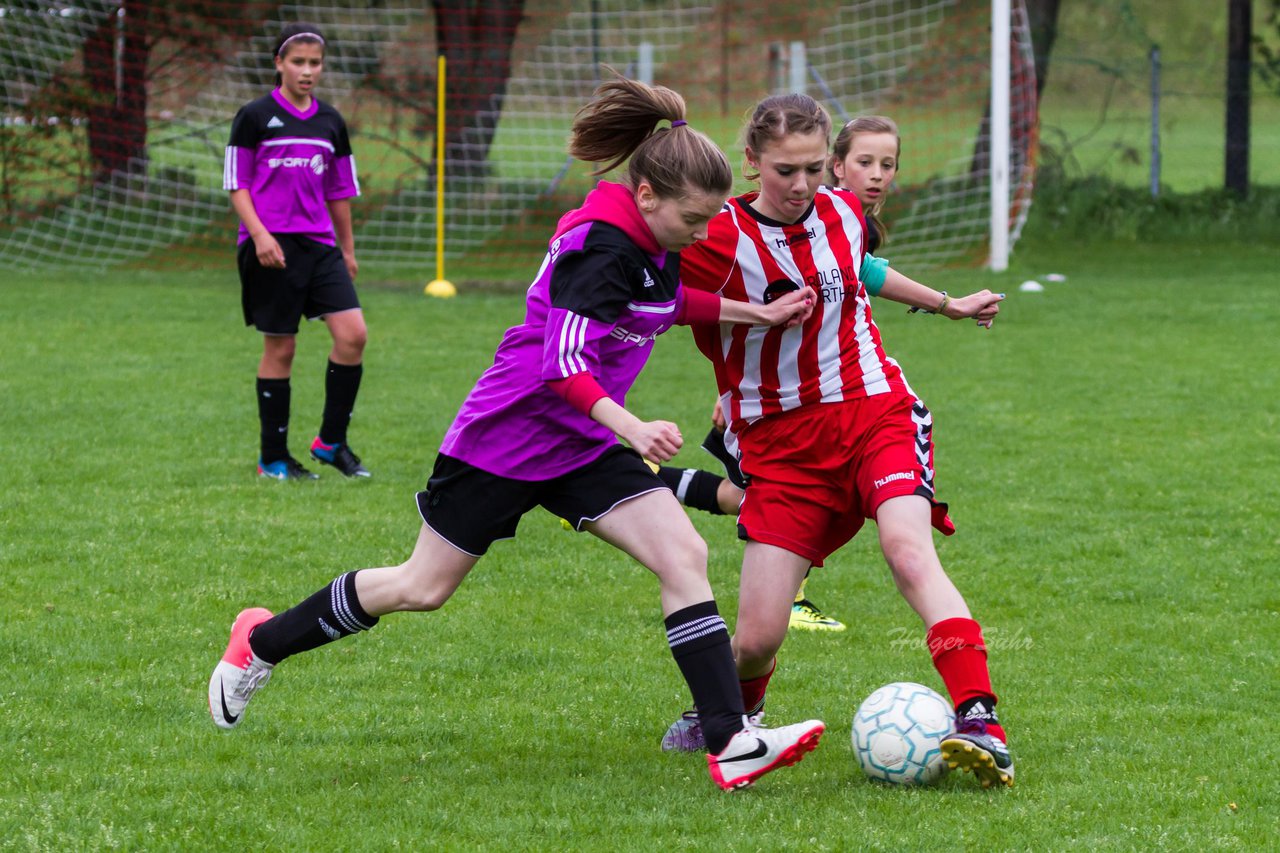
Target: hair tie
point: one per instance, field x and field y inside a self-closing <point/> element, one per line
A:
<point x="315" y="36"/>
<point x="678" y="123"/>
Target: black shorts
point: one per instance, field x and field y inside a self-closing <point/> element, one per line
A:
<point x="471" y="509"/>
<point x="314" y="282"/>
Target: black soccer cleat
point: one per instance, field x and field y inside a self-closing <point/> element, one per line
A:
<point x="340" y="457"/>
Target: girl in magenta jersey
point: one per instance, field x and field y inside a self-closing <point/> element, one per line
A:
<point x="291" y="175"/>
<point x="825" y="426"/>
<point x="542" y="427"/>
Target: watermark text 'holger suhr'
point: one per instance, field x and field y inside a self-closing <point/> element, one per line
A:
<point x="995" y="638"/>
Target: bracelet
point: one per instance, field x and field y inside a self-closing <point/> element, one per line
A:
<point x="942" y="306"/>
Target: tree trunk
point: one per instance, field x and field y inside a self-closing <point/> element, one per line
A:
<point x="1239" y="44"/>
<point x="1042" y="19"/>
<point x="476" y="38"/>
<point x="1042" y="15"/>
<point x="118" y="111"/>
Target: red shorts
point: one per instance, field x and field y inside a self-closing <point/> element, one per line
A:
<point x="818" y="472"/>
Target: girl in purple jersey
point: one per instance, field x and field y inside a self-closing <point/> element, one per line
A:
<point x="542" y="427"/>
<point x="291" y="175"/>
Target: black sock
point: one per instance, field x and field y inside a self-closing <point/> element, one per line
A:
<point x="980" y="708"/>
<point x="699" y="642"/>
<point x="331" y="614"/>
<point x="341" y="384"/>
<point x="273" y="418"/>
<point x="698" y="489"/>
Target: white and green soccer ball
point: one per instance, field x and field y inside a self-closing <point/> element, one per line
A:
<point x="898" y="733"/>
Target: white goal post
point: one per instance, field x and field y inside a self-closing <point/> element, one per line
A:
<point x="998" y="259"/>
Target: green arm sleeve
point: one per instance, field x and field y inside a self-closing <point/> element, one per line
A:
<point x="873" y="273"/>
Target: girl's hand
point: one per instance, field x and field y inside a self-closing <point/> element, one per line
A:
<point x="269" y="252"/>
<point x="790" y="309"/>
<point x="656" y="441"/>
<point x="981" y="306"/>
<point x="717" y="416"/>
<point x="352" y="266"/>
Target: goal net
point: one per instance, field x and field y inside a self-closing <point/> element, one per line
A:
<point x="114" y="115"/>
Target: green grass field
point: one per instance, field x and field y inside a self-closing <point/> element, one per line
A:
<point x="1108" y="451"/>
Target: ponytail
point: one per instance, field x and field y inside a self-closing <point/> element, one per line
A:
<point x="622" y="122"/>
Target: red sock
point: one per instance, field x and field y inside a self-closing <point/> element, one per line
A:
<point x="753" y="690"/>
<point x="960" y="656"/>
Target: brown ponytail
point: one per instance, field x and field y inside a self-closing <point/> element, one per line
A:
<point x="621" y="122"/>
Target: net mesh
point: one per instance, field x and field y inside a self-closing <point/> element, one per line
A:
<point x="115" y="115"/>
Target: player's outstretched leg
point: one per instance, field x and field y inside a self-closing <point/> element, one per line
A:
<point x="977" y="750"/>
<point x="756" y="750"/>
<point x="240" y="673"/>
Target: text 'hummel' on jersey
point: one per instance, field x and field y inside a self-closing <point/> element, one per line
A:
<point x="792" y="239"/>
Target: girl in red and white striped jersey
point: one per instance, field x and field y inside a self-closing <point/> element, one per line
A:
<point x="826" y="428"/>
<point x="864" y="160"/>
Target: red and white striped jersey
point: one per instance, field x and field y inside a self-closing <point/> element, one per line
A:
<point x="836" y="355"/>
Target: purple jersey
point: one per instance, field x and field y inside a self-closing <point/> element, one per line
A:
<point x="597" y="305"/>
<point x="292" y="162"/>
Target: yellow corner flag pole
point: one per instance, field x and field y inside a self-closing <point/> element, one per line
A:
<point x="440" y="286"/>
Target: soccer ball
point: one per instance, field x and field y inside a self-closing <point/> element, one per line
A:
<point x="898" y="732"/>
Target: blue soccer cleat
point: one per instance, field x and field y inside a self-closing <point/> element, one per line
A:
<point x="284" y="469"/>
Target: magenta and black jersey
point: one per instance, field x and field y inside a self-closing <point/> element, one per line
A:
<point x="292" y="163"/>
<point x="596" y="306"/>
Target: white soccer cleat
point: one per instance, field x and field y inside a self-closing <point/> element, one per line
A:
<point x="240" y="672"/>
<point x="756" y="750"/>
